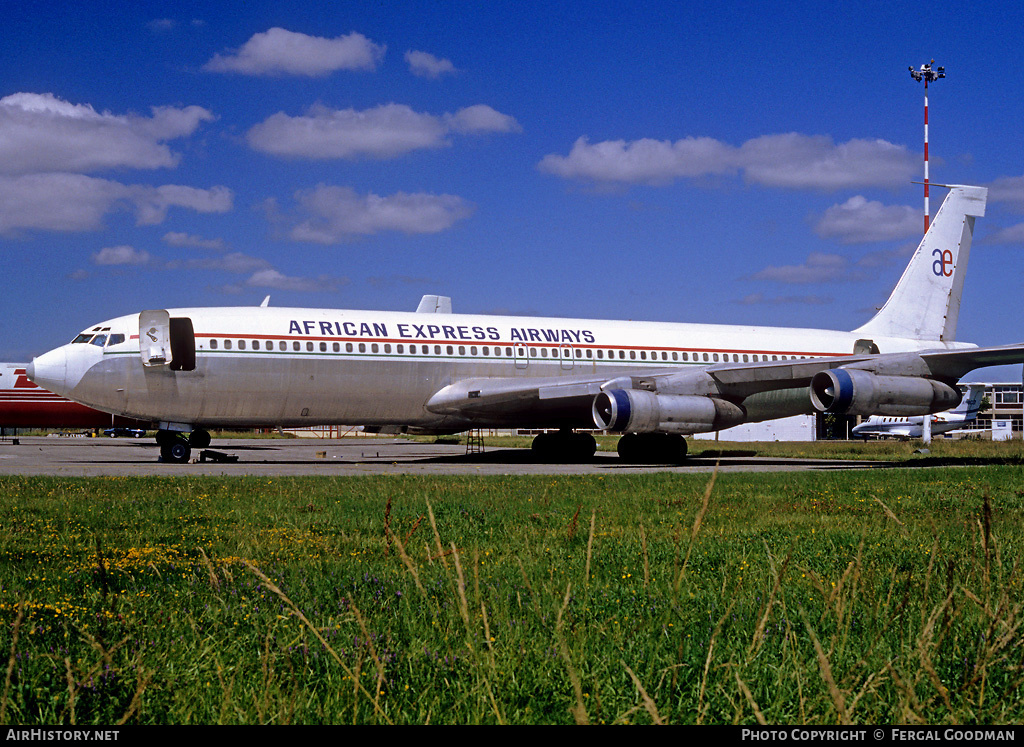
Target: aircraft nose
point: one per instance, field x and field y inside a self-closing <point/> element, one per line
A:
<point x="50" y="371"/>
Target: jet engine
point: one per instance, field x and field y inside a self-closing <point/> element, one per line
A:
<point x="640" y="411"/>
<point x="851" y="391"/>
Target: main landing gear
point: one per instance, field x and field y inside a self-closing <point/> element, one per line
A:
<point x="564" y="446"/>
<point x="652" y="448"/>
<point x="634" y="448"/>
<point x="176" y="447"/>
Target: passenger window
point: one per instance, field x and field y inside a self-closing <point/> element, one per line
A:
<point x="362" y="347"/>
<point x="309" y="347"/>
<point x="462" y="349"/>
<point x="472" y="349"/>
<point x="387" y="348"/>
<point x="295" y="346"/>
<point x="450" y="350"/>
<point x="401" y="349"/>
<point x="348" y="347"/>
<point x="227" y="344"/>
<point x="323" y="347"/>
<point x="241" y="344"/>
<point x="437" y="350"/>
<point x="213" y="344"/>
<point x="374" y="348"/>
<point x="336" y="347"/>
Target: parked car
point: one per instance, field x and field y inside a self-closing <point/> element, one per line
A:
<point x="133" y="432"/>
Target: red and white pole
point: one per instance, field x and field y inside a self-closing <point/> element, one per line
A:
<point x="926" y="74"/>
<point x="926" y="213"/>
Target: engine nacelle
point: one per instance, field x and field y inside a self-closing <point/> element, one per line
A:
<point x="639" y="411"/>
<point x="851" y="391"/>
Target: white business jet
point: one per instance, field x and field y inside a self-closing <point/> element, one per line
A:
<point x="888" y="426"/>
<point x="191" y="369"/>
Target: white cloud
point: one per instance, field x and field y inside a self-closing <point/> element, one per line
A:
<point x="235" y="262"/>
<point x="1011" y="235"/>
<point x="279" y="51"/>
<point x="273" y="279"/>
<point x="819" y="268"/>
<point x="426" y="65"/>
<point x="481" y="118"/>
<point x="178" y="238"/>
<point x="643" y="161"/>
<point x="42" y="133"/>
<point x="75" y="202"/>
<point x="791" y="160"/>
<point x="334" y="214"/>
<point x="798" y="161"/>
<point x="760" y="299"/>
<point x="384" y="131"/>
<point x="859" y="220"/>
<point x="152" y="203"/>
<point x="1008" y="189"/>
<point x="121" y="255"/>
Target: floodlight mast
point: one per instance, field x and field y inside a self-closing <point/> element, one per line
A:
<point x="927" y="74"/>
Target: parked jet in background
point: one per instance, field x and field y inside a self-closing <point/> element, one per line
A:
<point x="435" y="371"/>
<point x="24" y="404"/>
<point x="881" y="426"/>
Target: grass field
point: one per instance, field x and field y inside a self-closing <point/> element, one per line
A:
<point x="879" y="596"/>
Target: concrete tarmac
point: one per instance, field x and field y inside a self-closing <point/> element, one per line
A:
<point x="101" y="456"/>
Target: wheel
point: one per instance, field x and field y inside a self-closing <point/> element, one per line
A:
<point x="177" y="452"/>
<point x="199" y="439"/>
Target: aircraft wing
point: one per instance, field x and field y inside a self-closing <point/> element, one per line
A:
<point x="566" y="401"/>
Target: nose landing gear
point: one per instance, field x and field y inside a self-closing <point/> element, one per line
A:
<point x="176" y="447"/>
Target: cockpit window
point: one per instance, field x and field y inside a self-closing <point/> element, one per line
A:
<point x="115" y="340"/>
<point x="84" y="337"/>
<point x="99" y="340"/>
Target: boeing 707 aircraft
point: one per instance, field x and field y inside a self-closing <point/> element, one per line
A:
<point x="437" y="372"/>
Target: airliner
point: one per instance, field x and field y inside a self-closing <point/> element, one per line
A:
<point x="882" y="426"/>
<point x="434" y="371"/>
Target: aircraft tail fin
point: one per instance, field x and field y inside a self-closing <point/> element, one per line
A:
<point x="925" y="304"/>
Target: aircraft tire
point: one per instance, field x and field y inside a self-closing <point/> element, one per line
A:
<point x="176" y="452"/>
<point x="652" y="448"/>
<point x="199" y="439"/>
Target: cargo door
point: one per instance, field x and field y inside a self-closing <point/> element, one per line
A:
<point x="155" y="337"/>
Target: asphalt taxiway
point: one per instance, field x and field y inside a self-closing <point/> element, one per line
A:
<point x="92" y="457"/>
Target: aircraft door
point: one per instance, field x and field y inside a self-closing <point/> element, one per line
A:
<point x="522" y="355"/>
<point x="155" y="337"/>
<point x="163" y="340"/>
<point x="566" y="354"/>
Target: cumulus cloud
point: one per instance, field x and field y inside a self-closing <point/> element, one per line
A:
<point x="1008" y="190"/>
<point x="819" y="268"/>
<point x="329" y="214"/>
<point x="75" y="202"/>
<point x="282" y="52"/>
<point x="798" y="161"/>
<point x="643" y="161"/>
<point x="760" y="299"/>
<point x="1011" y="235"/>
<point x="235" y="262"/>
<point x="178" y="238"/>
<point x="43" y="133"/>
<point x="271" y="278"/>
<point x="384" y="131"/>
<point x="790" y="160"/>
<point x="860" y="220"/>
<point x="426" y="65"/>
<point x="121" y="255"/>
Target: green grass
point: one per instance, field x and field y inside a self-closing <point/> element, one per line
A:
<point x="888" y="596"/>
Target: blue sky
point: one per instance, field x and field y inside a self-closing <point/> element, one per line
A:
<point x="738" y="163"/>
